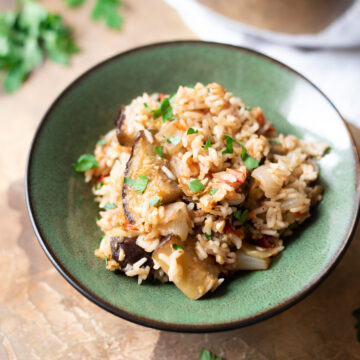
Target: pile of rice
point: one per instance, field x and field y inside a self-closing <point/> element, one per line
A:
<point x="269" y="200"/>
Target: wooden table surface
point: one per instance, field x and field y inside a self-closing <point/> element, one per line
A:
<point x="43" y="317"/>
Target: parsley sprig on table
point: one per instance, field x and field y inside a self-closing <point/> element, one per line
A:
<point x="26" y="37"/>
<point x="105" y="10"/>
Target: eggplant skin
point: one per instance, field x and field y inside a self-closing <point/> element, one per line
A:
<point x="133" y="252"/>
<point x="120" y="124"/>
<point x="144" y="161"/>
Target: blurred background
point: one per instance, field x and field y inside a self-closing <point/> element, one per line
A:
<point x="41" y="315"/>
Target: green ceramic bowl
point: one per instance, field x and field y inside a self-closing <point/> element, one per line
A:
<point x="62" y="209"/>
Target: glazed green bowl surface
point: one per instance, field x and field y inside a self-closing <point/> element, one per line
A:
<point x="63" y="210"/>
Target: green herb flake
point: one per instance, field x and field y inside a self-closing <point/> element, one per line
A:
<point x="356" y="314"/>
<point x="97" y="219"/>
<point x="159" y="150"/>
<point x="207" y="355"/>
<point x="129" y="182"/>
<point x="106" y="260"/>
<point x="85" y="162"/>
<point x="109" y="12"/>
<point x="109" y="206"/>
<point x="275" y="141"/>
<point x="99" y="186"/>
<point x="140" y="184"/>
<point x="165" y="110"/>
<point x="209" y="237"/>
<point x="102" y="142"/>
<point x="74" y="3"/>
<point x="196" y="186"/>
<point x="175" y="140"/>
<point x="191" y="131"/>
<point x="101" y="237"/>
<point x="229" y="140"/>
<point x="207" y="144"/>
<point x="177" y="247"/>
<point x="213" y="191"/>
<point x="155" y="200"/>
<point x="250" y="162"/>
<point x="241" y="215"/>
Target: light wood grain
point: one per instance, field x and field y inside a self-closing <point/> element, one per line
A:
<point x="43" y="317"/>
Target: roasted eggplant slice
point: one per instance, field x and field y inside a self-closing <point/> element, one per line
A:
<point x="131" y="252"/>
<point x="179" y="261"/>
<point x="123" y="137"/>
<point x="144" y="161"/>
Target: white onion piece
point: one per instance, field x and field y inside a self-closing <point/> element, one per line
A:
<point x="270" y="184"/>
<point x="247" y="262"/>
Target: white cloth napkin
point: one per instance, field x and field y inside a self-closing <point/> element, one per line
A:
<point x="332" y="62"/>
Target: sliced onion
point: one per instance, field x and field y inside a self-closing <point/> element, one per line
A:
<point x="269" y="183"/>
<point x="247" y="262"/>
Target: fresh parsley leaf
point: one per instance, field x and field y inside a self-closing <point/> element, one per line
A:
<point x="101" y="237"/>
<point x="106" y="260"/>
<point x="207" y="355"/>
<point x="209" y="237"/>
<point x="173" y="139"/>
<point x="250" y="162"/>
<point x="85" y="162"/>
<point x="207" y="144"/>
<point x="196" y="186"/>
<point x="275" y="141"/>
<point x="74" y="3"/>
<point x="159" y="150"/>
<point x="165" y="110"/>
<point x="155" y="200"/>
<point x="99" y="186"/>
<point x="213" y="191"/>
<point x="108" y="11"/>
<point x="177" y="247"/>
<point x="229" y="144"/>
<point x="156" y="113"/>
<point x="191" y="131"/>
<point x="138" y="185"/>
<point x="109" y="206"/>
<point x="241" y="215"/>
<point x="101" y="142"/>
<point x="128" y="182"/>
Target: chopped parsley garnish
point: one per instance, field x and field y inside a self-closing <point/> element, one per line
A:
<point x="159" y="150"/>
<point x="275" y="141"/>
<point x="196" y="186"/>
<point x="85" y="162"/>
<point x="101" y="237"/>
<point x="99" y="186"/>
<point x="173" y="139"/>
<point x="209" y="237"/>
<point x="213" y="191"/>
<point x="229" y="144"/>
<point x="356" y="314"/>
<point x="177" y="247"/>
<point x="164" y="110"/>
<point x="241" y="215"/>
<point x="155" y="200"/>
<point x="101" y="142"/>
<point x="191" y="131"/>
<point x="96" y="219"/>
<point x="207" y="144"/>
<point x="109" y="206"/>
<point x="207" y="355"/>
<point x="106" y="260"/>
<point x="250" y="162"/>
<point x="138" y="185"/>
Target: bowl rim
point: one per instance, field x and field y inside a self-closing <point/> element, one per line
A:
<point x="163" y="325"/>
